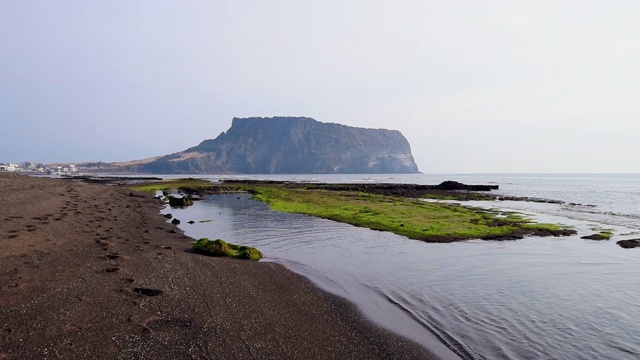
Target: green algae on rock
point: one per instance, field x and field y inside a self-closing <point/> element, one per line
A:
<point x="179" y="201"/>
<point x="603" y="235"/>
<point x="220" y="247"/>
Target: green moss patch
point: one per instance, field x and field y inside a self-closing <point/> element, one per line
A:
<point x="179" y="201"/>
<point x="187" y="183"/>
<point x="416" y="219"/>
<point x="220" y="247"/>
<point x="603" y="235"/>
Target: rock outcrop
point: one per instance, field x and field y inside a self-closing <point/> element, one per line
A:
<point x="599" y="236"/>
<point x="220" y="247"/>
<point x="180" y="201"/>
<point x="629" y="244"/>
<point x="291" y="145"/>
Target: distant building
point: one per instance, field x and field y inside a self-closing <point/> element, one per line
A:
<point x="9" y="167"/>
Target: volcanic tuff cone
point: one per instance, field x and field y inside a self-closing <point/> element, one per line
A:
<point x="290" y="145"/>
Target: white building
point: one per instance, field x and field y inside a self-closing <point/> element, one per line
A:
<point x="9" y="167"/>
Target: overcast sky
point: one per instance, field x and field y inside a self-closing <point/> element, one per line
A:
<point x="475" y="86"/>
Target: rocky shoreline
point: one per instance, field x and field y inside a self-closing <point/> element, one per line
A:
<point x="448" y="190"/>
<point x="89" y="271"/>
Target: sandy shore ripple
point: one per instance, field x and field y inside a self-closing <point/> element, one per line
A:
<point x="94" y="272"/>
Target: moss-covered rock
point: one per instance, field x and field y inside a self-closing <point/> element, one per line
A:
<point x="180" y="201"/>
<point x="604" y="235"/>
<point x="220" y="247"/>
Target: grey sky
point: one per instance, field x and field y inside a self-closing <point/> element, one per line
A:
<point x="475" y="86"/>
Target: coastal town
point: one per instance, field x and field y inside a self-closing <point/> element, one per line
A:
<point x="50" y="169"/>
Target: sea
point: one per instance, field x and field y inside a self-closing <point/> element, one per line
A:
<point x="535" y="298"/>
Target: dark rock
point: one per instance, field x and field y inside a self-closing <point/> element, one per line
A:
<point x="179" y="201"/>
<point x="167" y="216"/>
<point x="516" y="235"/>
<point x="454" y="185"/>
<point x="541" y="233"/>
<point x="520" y="234"/>
<point x="563" y="232"/>
<point x="596" y="237"/>
<point x="175" y="221"/>
<point x="629" y="244"/>
<point x="192" y="222"/>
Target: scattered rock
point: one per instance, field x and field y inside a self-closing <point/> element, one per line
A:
<point x="167" y="216"/>
<point x="599" y="236"/>
<point x="563" y="232"/>
<point x="180" y="201"/>
<point x="520" y="234"/>
<point x="629" y="244"/>
<point x="192" y="222"/>
<point x="175" y="221"/>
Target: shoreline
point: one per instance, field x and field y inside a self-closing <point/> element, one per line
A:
<point x="90" y="271"/>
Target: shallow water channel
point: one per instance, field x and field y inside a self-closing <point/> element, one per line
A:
<point x="543" y="298"/>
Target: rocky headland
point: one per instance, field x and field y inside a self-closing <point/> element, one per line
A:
<point x="288" y="145"/>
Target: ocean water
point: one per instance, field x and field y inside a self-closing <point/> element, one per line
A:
<point x="536" y="298"/>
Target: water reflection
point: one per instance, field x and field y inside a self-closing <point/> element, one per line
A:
<point x="535" y="298"/>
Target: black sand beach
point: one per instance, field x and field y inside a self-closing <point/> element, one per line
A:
<point x="91" y="271"/>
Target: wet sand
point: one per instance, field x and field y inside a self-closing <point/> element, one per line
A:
<point x="94" y="272"/>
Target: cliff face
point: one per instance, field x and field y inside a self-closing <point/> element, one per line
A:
<point x="291" y="145"/>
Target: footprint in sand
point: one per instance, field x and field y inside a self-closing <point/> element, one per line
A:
<point x="102" y="243"/>
<point x="148" y="292"/>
